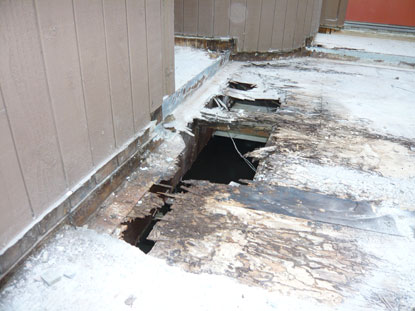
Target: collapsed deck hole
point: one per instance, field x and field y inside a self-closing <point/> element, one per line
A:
<point x="220" y="162"/>
<point x="136" y="228"/>
<point x="234" y="104"/>
<point x="241" y="85"/>
<point x="139" y="229"/>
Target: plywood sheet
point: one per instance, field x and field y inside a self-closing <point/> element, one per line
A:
<point x="213" y="232"/>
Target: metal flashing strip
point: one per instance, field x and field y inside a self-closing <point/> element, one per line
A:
<point x="379" y="27"/>
<point x="174" y="100"/>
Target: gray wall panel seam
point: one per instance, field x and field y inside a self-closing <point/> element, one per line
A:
<point x="296" y="24"/>
<point x="198" y="17"/>
<point x="182" y="22"/>
<point x="17" y="154"/>
<point x="82" y="82"/>
<point x="273" y="24"/>
<point x="244" y="32"/>
<point x="129" y="66"/>
<point x="259" y="28"/>
<point x="229" y="18"/>
<point x="213" y="20"/>
<point x="285" y="23"/>
<point x="49" y="95"/>
<point x="147" y="73"/>
<point x="108" y="74"/>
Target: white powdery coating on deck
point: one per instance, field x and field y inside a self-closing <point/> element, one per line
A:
<point x="109" y="274"/>
<point x="379" y="98"/>
<point x="189" y="62"/>
<point x="403" y="46"/>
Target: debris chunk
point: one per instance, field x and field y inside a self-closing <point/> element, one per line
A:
<point x="70" y="274"/>
<point x="51" y="277"/>
<point x="130" y="301"/>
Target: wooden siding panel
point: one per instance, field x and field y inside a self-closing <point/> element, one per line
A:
<point x="237" y="21"/>
<point x="290" y="23"/>
<point x="190" y="16"/>
<point x="1" y="102"/>
<point x="221" y="20"/>
<point x="168" y="47"/>
<point x="308" y="18"/>
<point x="178" y="16"/>
<point x="15" y="210"/>
<point x="154" y="47"/>
<point x="344" y="4"/>
<point x="57" y="30"/>
<point x="279" y="24"/>
<point x="258" y="25"/>
<point x="206" y="11"/>
<point x="252" y="24"/>
<point x="267" y="24"/>
<point x="26" y="96"/>
<point x="315" y="23"/>
<point x="333" y="12"/>
<point x="299" y="27"/>
<point x="92" y="49"/>
<point x="119" y="69"/>
<point x="139" y="69"/>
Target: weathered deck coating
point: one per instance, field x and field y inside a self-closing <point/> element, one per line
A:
<point x="322" y="145"/>
<point x="329" y="215"/>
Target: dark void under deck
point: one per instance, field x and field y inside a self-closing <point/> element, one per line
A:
<point x="220" y="162"/>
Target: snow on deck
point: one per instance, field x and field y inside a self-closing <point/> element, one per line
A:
<point x="189" y="62"/>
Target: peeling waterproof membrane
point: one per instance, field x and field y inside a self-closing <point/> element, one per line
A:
<point x="220" y="162"/>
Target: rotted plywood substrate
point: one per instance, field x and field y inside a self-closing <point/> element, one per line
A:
<point x="211" y="230"/>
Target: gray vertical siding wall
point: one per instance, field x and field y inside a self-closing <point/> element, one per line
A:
<point x="333" y="13"/>
<point x="259" y="25"/>
<point x="78" y="80"/>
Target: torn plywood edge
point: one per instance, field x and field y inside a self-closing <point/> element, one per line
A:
<point x="133" y="199"/>
<point x="211" y="230"/>
<point x="330" y="135"/>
